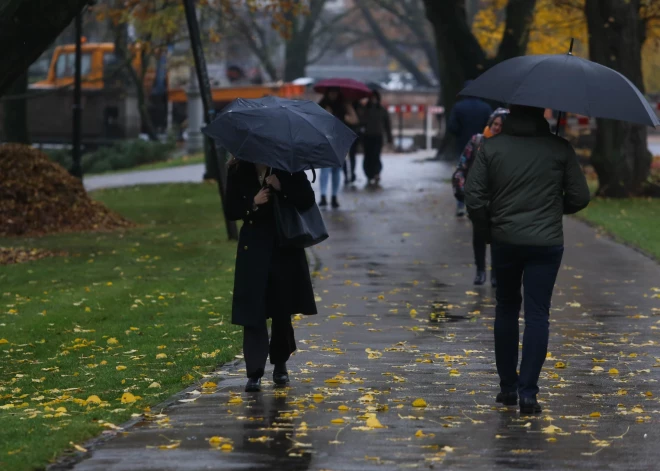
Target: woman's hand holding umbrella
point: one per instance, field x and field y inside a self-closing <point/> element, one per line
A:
<point x="274" y="182"/>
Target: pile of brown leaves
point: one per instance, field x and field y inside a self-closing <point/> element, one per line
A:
<point x="11" y="255"/>
<point x="38" y="196"/>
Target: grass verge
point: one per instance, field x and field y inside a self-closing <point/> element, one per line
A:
<point x="121" y="323"/>
<point x="633" y="221"/>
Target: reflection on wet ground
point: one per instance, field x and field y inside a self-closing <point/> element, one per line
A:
<point x="398" y="369"/>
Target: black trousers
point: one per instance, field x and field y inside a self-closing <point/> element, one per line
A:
<point x="352" y="159"/>
<point x="373" y="146"/>
<point x="535" y="270"/>
<point x="257" y="348"/>
<point x="479" y="246"/>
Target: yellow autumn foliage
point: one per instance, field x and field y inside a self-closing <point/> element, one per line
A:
<point x="552" y="29"/>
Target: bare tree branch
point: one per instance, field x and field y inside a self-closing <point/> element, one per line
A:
<point x="400" y="56"/>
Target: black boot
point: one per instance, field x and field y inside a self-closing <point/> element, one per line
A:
<point x="480" y="279"/>
<point x="507" y="398"/>
<point x="324" y="202"/>
<point x="335" y="203"/>
<point x="280" y="375"/>
<point x="253" y="385"/>
<point x="529" y="405"/>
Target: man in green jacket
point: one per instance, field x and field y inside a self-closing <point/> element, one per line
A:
<point x="521" y="184"/>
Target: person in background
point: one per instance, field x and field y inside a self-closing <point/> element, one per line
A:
<point x="333" y="102"/>
<point x="377" y="128"/>
<point x="521" y="184"/>
<point x="270" y="282"/>
<point x="350" y="163"/>
<point x="468" y="117"/>
<point x="493" y="128"/>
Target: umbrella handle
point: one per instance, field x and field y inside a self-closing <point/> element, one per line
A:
<point x="313" y="175"/>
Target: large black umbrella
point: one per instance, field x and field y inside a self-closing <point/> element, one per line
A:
<point x="566" y="83"/>
<point x="289" y="135"/>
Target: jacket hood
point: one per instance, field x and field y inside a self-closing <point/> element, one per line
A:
<point x="520" y="124"/>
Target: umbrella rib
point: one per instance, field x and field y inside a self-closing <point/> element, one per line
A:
<point x="311" y="125"/>
<point x="520" y="83"/>
<point x="586" y="89"/>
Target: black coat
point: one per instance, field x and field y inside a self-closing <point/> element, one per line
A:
<point x="269" y="281"/>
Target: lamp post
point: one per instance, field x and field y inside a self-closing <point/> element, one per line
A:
<point x="76" y="169"/>
<point x="216" y="166"/>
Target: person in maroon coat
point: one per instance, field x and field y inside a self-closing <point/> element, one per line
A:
<point x="271" y="282"/>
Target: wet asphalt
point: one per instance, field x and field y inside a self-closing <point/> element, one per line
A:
<point x="400" y="321"/>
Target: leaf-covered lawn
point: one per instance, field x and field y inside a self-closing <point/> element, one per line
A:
<point x="634" y="221"/>
<point x="134" y="315"/>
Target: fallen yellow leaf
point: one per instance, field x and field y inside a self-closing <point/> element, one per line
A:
<point x="551" y="429"/>
<point x="209" y="385"/>
<point x="93" y="399"/>
<point x="614" y="371"/>
<point x="120" y="367"/>
<point x="128" y="398"/>
<point x="419" y="403"/>
<point x="373" y="422"/>
<point x="595" y="415"/>
<point x="560" y="365"/>
<point x="3" y="341"/>
<point x="337" y="421"/>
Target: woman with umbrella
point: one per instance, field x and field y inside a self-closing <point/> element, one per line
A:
<point x="377" y="128"/>
<point x="493" y="128"/>
<point x="271" y="282"/>
<point x="273" y="141"/>
<point x="334" y="102"/>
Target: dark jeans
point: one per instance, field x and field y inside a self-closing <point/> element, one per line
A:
<point x="256" y="347"/>
<point x="536" y="269"/>
<point x="373" y="146"/>
<point x="352" y="159"/>
<point x="479" y="246"/>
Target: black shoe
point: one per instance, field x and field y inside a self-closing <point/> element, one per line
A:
<point x="507" y="398"/>
<point x="529" y="405"/>
<point x="353" y="178"/>
<point x="493" y="279"/>
<point x="324" y="202"/>
<point x="335" y="203"/>
<point x="253" y="385"/>
<point x="480" y="279"/>
<point x="280" y="375"/>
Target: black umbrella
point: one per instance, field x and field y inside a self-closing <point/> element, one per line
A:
<point x="566" y="83"/>
<point x="289" y="135"/>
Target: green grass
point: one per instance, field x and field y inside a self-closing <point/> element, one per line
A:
<point x="634" y="221"/>
<point x="171" y="163"/>
<point x="161" y="288"/>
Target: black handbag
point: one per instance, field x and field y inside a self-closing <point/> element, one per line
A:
<point x="296" y="228"/>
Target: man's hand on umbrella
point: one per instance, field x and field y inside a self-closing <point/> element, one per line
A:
<point x="262" y="197"/>
<point x="273" y="181"/>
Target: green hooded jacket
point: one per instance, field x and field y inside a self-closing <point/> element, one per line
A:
<point x="523" y="181"/>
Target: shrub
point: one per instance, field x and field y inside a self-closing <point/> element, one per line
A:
<point x="120" y="156"/>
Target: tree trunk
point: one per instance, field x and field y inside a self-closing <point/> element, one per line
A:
<point x="15" y="112"/>
<point x="620" y="155"/>
<point x="297" y="53"/>
<point x="27" y="28"/>
<point x="460" y="57"/>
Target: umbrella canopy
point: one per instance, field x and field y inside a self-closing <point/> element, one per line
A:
<point x="351" y="89"/>
<point x="566" y="83"/>
<point x="289" y="135"/>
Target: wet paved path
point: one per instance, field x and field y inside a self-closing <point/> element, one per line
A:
<point x="400" y="321"/>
